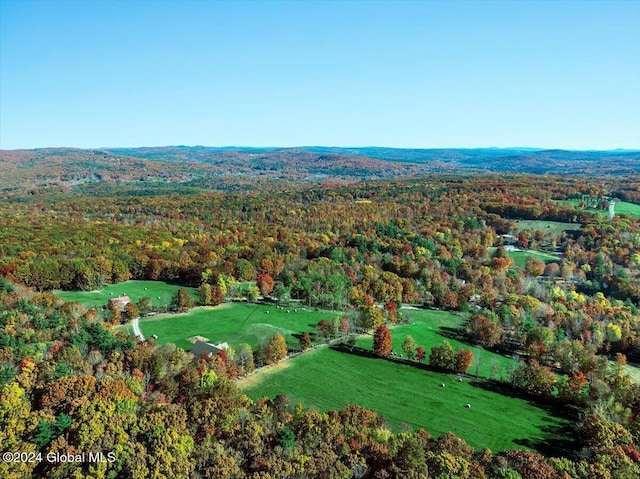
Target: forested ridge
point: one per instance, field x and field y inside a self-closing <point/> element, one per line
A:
<point x="568" y="309"/>
<point x="232" y="168"/>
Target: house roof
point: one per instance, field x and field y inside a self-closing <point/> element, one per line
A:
<point x="121" y="299"/>
<point x="208" y="349"/>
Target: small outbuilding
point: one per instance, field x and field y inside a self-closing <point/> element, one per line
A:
<point x="119" y="303"/>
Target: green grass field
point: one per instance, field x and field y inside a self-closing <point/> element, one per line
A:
<point x="621" y="208"/>
<point x="553" y="227"/>
<point x="624" y="208"/>
<point x="408" y="397"/>
<point x="159" y="292"/>
<point x="431" y="328"/>
<point x="520" y="257"/>
<point x="234" y="323"/>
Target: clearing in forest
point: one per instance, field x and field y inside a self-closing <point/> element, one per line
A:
<point x="410" y="397"/>
<point x="159" y="292"/>
<point x="431" y="328"/>
<point x="235" y="323"/>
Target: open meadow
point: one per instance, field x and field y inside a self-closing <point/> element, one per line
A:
<point x="520" y="257"/>
<point x="431" y="328"/>
<point x="550" y="227"/>
<point x="159" y="292"/>
<point x="409" y="397"/>
<point x="620" y="208"/>
<point x="234" y="323"/>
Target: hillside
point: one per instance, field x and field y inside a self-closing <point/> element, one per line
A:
<point x="229" y="167"/>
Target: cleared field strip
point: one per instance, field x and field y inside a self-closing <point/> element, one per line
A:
<point x="234" y="323"/>
<point x="620" y="208"/>
<point x="520" y="257"/>
<point x="410" y="397"/>
<point x="159" y="292"/>
<point x="553" y="227"/>
<point x="431" y="328"/>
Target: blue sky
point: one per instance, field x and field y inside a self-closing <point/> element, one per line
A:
<point x="399" y="74"/>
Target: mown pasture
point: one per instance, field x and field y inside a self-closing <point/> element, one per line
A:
<point x="624" y="208"/>
<point x="520" y="257"/>
<point x="410" y="397"/>
<point x="431" y="328"/>
<point x="159" y="292"/>
<point x="234" y="323"/>
<point x="620" y="208"/>
<point x="554" y="228"/>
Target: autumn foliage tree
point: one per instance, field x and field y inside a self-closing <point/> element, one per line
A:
<point x="462" y="360"/>
<point x="371" y="316"/>
<point x="392" y="308"/>
<point x="420" y="354"/>
<point x="533" y="267"/>
<point x="204" y="294"/>
<point x="485" y="331"/>
<point x="131" y="311"/>
<point x="265" y="284"/>
<point x="442" y="356"/>
<point x="382" y="341"/>
<point x="182" y="300"/>
<point x="409" y="347"/>
<point x="275" y="350"/>
<point x="305" y="341"/>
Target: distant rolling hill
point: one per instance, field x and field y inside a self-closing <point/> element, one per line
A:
<point x="218" y="167"/>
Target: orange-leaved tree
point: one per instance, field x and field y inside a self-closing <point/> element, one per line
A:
<point x="382" y="341"/>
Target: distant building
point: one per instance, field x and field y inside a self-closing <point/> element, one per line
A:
<point x="508" y="239"/>
<point x="119" y="303"/>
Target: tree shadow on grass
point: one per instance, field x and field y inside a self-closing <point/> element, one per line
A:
<point x="456" y="334"/>
<point x="368" y="353"/>
<point x="559" y="440"/>
<point x="558" y="434"/>
<point x="559" y="437"/>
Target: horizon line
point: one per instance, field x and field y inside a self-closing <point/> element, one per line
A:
<point x="521" y="148"/>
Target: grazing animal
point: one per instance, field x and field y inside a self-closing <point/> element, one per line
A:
<point x="145" y="289"/>
<point x="158" y="297"/>
<point x="442" y="385"/>
<point x="468" y="405"/>
<point x="267" y="312"/>
<point x="459" y="380"/>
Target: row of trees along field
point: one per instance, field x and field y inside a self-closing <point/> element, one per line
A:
<point x="70" y="384"/>
<point x="434" y="242"/>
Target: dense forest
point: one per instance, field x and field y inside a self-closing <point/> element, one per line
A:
<point x="72" y="382"/>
